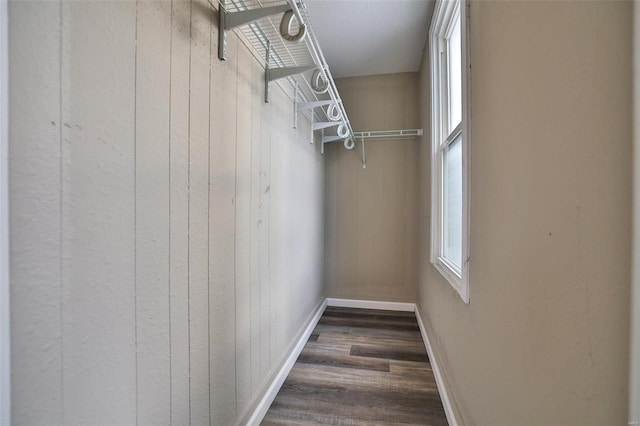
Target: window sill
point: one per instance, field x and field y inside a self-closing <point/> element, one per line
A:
<point x="459" y="283"/>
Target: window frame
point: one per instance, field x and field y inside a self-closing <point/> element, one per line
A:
<point x="441" y="27"/>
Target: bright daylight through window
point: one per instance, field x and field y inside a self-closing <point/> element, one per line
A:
<point x="449" y="142"/>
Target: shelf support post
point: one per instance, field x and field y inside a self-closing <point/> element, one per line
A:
<point x="295" y="106"/>
<point x="266" y="72"/>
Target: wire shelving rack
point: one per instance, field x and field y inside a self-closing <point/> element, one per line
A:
<point x="301" y="63"/>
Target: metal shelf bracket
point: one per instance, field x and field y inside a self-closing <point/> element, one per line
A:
<point x="231" y="20"/>
<point x="301" y="106"/>
<point x="271" y="74"/>
<point x="327" y="139"/>
<point x="326" y="124"/>
<point x="284" y="72"/>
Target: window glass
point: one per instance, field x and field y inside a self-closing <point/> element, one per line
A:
<point x="455" y="75"/>
<point x="452" y="200"/>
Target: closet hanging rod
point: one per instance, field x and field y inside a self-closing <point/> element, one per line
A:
<point x="401" y="134"/>
<point x="388" y="134"/>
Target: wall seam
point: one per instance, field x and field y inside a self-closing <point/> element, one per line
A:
<point x="169" y="239"/>
<point x="268" y="233"/>
<point x="235" y="227"/>
<point x="251" y="366"/>
<point x="189" y="207"/>
<point x="135" y="206"/>
<point x="269" y="253"/>
<point x="61" y="207"/>
<point x="209" y="225"/>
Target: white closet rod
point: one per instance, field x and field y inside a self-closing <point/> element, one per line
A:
<point x="385" y="135"/>
<point x="388" y="134"/>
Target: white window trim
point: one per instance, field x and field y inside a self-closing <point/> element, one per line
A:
<point x="440" y="26"/>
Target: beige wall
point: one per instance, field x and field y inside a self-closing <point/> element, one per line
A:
<point x="634" y="374"/>
<point x="166" y="224"/>
<point x="371" y="214"/>
<point x="544" y="340"/>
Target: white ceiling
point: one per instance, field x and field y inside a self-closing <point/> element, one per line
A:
<point x="365" y="37"/>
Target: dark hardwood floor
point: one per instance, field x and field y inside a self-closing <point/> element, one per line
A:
<point x="360" y="367"/>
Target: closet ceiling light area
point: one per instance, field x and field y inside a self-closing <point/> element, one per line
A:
<point x="367" y="37"/>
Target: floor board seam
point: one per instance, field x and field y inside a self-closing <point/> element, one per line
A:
<point x="323" y="381"/>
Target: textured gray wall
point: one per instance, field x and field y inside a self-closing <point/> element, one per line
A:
<point x="166" y="224"/>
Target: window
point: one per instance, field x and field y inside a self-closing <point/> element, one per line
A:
<point x="449" y="144"/>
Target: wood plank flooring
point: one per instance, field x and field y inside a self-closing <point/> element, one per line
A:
<point x="360" y="367"/>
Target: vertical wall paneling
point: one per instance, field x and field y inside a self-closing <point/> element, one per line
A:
<point x="179" y="210"/>
<point x="264" y="197"/>
<point x="199" y="210"/>
<point x="257" y="102"/>
<point x="243" y="231"/>
<point x="36" y="338"/>
<point x="275" y="229"/>
<point x="5" y="295"/>
<point x="152" y="211"/>
<point x="306" y="206"/>
<point x="164" y="219"/>
<point x="98" y="99"/>
<point x="222" y="234"/>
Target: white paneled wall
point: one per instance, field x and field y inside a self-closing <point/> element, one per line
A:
<point x="166" y="224"/>
<point x="5" y="372"/>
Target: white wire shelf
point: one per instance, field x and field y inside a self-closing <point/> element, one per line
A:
<point x="388" y="134"/>
<point x="294" y="61"/>
<point x="384" y="135"/>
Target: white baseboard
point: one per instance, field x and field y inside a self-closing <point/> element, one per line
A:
<point x="273" y="389"/>
<point x="442" y="389"/>
<point x="371" y="304"/>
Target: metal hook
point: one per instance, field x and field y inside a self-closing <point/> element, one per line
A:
<point x="318" y="83"/>
<point x="333" y="112"/>
<point x="285" y="28"/>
